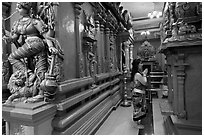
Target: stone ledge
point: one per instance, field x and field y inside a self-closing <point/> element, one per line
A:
<point x="28" y="114"/>
<point x="187" y="124"/>
<point x="165" y="107"/>
<point x="175" y="126"/>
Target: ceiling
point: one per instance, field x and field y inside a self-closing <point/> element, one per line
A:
<point x="140" y="20"/>
<point x="141" y="9"/>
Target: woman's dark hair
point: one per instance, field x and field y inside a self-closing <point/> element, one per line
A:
<point x="135" y="65"/>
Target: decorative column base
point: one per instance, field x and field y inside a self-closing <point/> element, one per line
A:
<point x="126" y="103"/>
<point x="28" y="119"/>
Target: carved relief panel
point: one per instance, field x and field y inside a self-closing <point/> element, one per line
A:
<point x="89" y="43"/>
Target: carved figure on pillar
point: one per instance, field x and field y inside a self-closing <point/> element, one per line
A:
<point x="34" y="79"/>
<point x="92" y="60"/>
<point x="89" y="41"/>
<point x="89" y="29"/>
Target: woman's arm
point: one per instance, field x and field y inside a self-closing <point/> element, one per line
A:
<point x="142" y="79"/>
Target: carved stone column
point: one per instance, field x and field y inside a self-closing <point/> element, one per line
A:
<point x="80" y="67"/>
<point x="98" y="56"/>
<point x="125" y="102"/>
<point x="131" y="55"/>
<point x="180" y="68"/>
<point x="102" y="46"/>
<point x="170" y="78"/>
<point x="112" y="49"/>
<point x="127" y="55"/>
<point x="107" y="49"/>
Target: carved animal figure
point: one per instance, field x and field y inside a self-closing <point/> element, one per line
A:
<point x="18" y="88"/>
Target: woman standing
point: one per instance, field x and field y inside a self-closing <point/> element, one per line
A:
<point x="138" y="92"/>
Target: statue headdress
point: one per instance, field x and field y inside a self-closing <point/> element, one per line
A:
<point x="26" y="5"/>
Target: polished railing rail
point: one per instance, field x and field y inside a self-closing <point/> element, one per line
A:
<point x="86" y="106"/>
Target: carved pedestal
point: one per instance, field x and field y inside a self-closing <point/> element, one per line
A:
<point x="28" y="119"/>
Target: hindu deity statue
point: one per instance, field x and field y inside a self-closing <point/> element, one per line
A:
<point x="35" y="31"/>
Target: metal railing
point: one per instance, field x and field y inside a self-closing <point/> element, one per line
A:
<point x="155" y="80"/>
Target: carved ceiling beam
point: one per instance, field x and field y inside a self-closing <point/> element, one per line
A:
<point x="115" y="11"/>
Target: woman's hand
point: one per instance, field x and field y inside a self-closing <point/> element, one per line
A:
<point x="53" y="50"/>
<point x="145" y="72"/>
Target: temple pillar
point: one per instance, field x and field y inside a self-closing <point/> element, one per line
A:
<point x="102" y="46"/>
<point x="115" y="53"/>
<point x="98" y="53"/>
<point x="127" y="55"/>
<point x="131" y="55"/>
<point x="112" y="52"/>
<point x="79" y="67"/>
<point x="180" y="68"/>
<point x="107" y="50"/>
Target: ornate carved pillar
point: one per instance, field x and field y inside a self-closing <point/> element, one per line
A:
<point x="180" y="68"/>
<point x="98" y="56"/>
<point x="80" y="67"/>
<point x="112" y="49"/>
<point x="115" y="52"/>
<point x="170" y="77"/>
<point x="127" y="55"/>
<point x="102" y="46"/>
<point x="131" y="55"/>
<point x="107" y="49"/>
